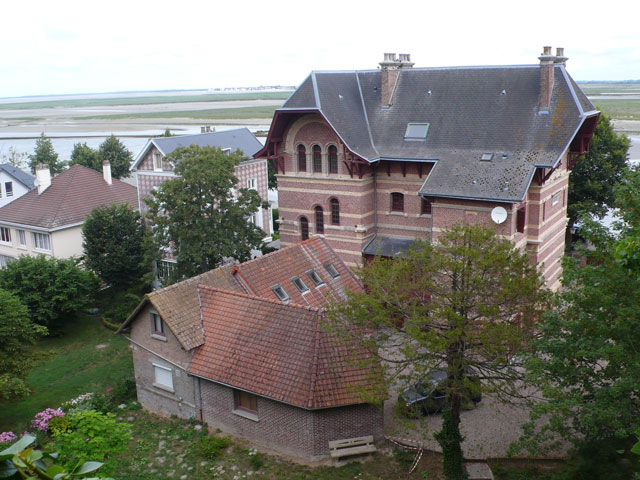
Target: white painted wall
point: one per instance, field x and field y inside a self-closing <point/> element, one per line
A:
<point x="18" y="188"/>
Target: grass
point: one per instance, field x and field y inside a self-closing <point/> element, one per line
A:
<point x="241" y="113"/>
<point x="72" y="366"/>
<point x="142" y="100"/>
<point x="620" y="109"/>
<point x="611" y="88"/>
<point x="164" y="448"/>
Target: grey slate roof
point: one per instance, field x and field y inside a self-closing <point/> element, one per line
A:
<point x="23" y="177"/>
<point x="470" y="111"/>
<point x="235" y="139"/>
<point x="387" y="246"/>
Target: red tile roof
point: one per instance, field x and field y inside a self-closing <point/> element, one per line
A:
<point x="278" y="350"/>
<point x="68" y="200"/>
<point x="179" y="307"/>
<point x="262" y="273"/>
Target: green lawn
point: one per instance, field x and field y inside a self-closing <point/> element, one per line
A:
<point x="74" y="365"/>
<point x="241" y="113"/>
<point x="146" y="100"/>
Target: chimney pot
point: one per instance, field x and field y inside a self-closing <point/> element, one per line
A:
<point x="559" y="52"/>
<point x="546" y="50"/>
<point x="202" y="130"/>
<point x="390" y="57"/>
<point x="43" y="177"/>
<point x="106" y="172"/>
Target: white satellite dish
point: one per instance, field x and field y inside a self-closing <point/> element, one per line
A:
<point x="498" y="215"/>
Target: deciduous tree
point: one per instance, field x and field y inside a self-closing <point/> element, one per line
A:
<point x="197" y="215"/>
<point x="117" y="154"/>
<point x="52" y="289"/>
<point x="594" y="177"/>
<point x="466" y="305"/>
<point x="115" y="246"/>
<point x="17" y="334"/>
<point x="83" y="154"/>
<point x="45" y="154"/>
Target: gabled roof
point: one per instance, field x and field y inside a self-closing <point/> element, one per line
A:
<point x="278" y="350"/>
<point x="235" y="139"/>
<point x="470" y="111"/>
<point x="259" y="275"/>
<point x="179" y="307"/>
<point x="22" y="177"/>
<point x="68" y="200"/>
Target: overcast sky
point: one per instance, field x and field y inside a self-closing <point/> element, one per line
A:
<point x="67" y="47"/>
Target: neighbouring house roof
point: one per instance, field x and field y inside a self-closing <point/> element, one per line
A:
<point x="259" y="275"/>
<point x="179" y="307"/>
<point x="470" y="111"/>
<point x="68" y="200"/>
<point x="236" y="139"/>
<point x="279" y="350"/>
<point x="388" y="246"/>
<point x="23" y="177"/>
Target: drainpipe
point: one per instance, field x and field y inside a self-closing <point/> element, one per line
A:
<point x="375" y="197"/>
<point x="199" y="399"/>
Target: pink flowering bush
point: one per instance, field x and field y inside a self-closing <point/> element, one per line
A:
<point x="42" y="419"/>
<point x="7" y="437"/>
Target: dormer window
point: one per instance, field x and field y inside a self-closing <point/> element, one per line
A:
<point x="280" y="292"/>
<point x="299" y="284"/>
<point x="416" y="131"/>
<point x="331" y="270"/>
<point x="157" y="161"/>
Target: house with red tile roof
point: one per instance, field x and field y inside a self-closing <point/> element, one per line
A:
<point x="48" y="219"/>
<point x="246" y="349"/>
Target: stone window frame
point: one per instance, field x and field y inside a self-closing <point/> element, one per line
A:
<point x="304" y="228"/>
<point x="318" y="216"/>
<point x="300" y="151"/>
<point x="335" y="210"/>
<point x="316" y="149"/>
<point x="397" y="202"/>
<point x="337" y="164"/>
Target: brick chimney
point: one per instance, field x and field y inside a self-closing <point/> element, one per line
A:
<point x="390" y="69"/>
<point x="547" y="62"/>
<point x="106" y="171"/>
<point x="43" y="177"/>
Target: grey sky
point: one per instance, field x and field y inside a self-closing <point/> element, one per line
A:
<point x="80" y="47"/>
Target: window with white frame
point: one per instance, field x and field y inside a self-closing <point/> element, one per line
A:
<point x="163" y="377"/>
<point x="8" y="188"/>
<point x="41" y="241"/>
<point x="251" y="183"/>
<point x="5" y="235"/>
<point x="555" y="199"/>
<point x="5" y="260"/>
<point x="157" y="161"/>
<point x="164" y="269"/>
<point x="22" y="238"/>
<point x="157" y="326"/>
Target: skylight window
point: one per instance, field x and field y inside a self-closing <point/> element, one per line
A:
<point x="299" y="284"/>
<point x="332" y="270"/>
<point x="280" y="292"/>
<point x="315" y="278"/>
<point x="416" y="131"/>
<point x="486" y="157"/>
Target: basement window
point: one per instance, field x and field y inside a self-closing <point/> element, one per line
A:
<point x="416" y="131"/>
<point x="280" y="292"/>
<point x="486" y="157"/>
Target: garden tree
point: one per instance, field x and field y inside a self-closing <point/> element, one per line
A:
<point x="466" y="305"/>
<point x="593" y="177"/>
<point x="15" y="158"/>
<point x="585" y="360"/>
<point x="272" y="179"/>
<point x="197" y="215"/>
<point x="45" y="154"/>
<point x="52" y="289"/>
<point x="117" y="154"/>
<point x="167" y="133"/>
<point x="83" y="154"/>
<point x="115" y="246"/>
<point x="17" y="334"/>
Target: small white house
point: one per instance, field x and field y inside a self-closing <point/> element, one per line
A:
<point x="13" y="183"/>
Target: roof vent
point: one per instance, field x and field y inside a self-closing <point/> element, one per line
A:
<point x="429" y="93"/>
<point x="340" y="96"/>
<point x="503" y="92"/>
<point x="504" y="156"/>
<point x="486" y="157"/>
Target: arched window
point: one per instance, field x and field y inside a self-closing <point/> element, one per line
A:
<point x="304" y="228"/>
<point x="317" y="159"/>
<point x="319" y="220"/>
<point x="335" y="211"/>
<point x="302" y="158"/>
<point x="397" y="202"/>
<point x="333" y="159"/>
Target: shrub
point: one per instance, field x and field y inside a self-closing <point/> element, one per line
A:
<point x="210" y="447"/>
<point x="93" y="435"/>
<point x="60" y="424"/>
<point x="78" y="404"/>
<point x="122" y="392"/>
<point x="7" y="437"/>
<point x="42" y="419"/>
<point x="256" y="459"/>
<point x="121" y="307"/>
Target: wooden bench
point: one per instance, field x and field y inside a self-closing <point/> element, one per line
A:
<point x="351" y="446"/>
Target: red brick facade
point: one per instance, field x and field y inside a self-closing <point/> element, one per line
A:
<point x="365" y="204"/>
